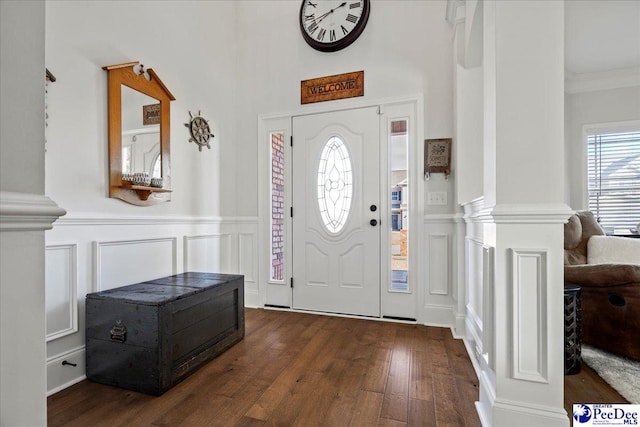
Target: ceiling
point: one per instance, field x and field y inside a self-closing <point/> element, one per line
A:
<point x="602" y="35"/>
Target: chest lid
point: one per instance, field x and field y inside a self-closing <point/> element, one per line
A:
<point x="145" y="293"/>
<point x="196" y="279"/>
<point x="165" y="289"/>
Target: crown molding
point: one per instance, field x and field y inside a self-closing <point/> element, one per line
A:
<point x="27" y="212"/>
<point x="602" y="80"/>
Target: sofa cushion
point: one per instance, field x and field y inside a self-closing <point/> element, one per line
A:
<point x="577" y="231"/>
<point x="572" y="232"/>
<point x="602" y="275"/>
<point x="613" y="250"/>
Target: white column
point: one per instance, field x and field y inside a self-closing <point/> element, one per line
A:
<point x="523" y="64"/>
<point x="24" y="214"/>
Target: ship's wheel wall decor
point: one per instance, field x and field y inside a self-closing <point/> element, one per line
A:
<point x="199" y="130"/>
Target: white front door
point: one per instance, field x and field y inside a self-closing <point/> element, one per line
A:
<point x="336" y="215"/>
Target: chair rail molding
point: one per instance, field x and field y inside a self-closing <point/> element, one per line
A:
<point x="91" y="218"/>
<point x="27" y="212"/>
<point x="539" y="213"/>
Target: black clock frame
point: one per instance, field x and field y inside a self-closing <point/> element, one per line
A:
<point x="342" y="43"/>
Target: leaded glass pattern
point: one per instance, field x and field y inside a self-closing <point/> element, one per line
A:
<point x="335" y="184"/>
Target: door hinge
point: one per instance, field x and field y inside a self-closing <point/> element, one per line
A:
<point x="291" y="212"/>
<point x="291" y="140"/>
<point x="291" y="282"/>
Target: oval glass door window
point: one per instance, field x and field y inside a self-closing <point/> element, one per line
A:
<point x="335" y="184"/>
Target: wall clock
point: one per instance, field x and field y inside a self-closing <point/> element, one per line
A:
<point x="199" y="130"/>
<point x="329" y="26"/>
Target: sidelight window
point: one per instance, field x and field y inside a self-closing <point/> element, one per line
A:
<point x="399" y="203"/>
<point x="277" y="206"/>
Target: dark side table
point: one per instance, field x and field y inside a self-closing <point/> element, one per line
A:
<point x="572" y="329"/>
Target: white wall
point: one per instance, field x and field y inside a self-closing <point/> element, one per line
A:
<point x="404" y="50"/>
<point x="587" y="108"/>
<point x="105" y="242"/>
<point x="469" y="134"/>
<point x="190" y="45"/>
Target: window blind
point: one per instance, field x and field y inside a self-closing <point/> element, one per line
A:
<point x="614" y="178"/>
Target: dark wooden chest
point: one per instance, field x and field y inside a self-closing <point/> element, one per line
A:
<point x="148" y="336"/>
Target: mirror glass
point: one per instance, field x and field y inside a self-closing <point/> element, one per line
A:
<point x="140" y="133"/>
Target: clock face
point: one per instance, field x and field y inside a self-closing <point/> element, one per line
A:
<point x="329" y="25"/>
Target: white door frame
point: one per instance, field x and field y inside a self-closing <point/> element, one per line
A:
<point x="278" y="294"/>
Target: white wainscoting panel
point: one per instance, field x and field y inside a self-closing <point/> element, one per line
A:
<point x="488" y="286"/>
<point x="435" y="261"/>
<point x="247" y="259"/>
<point x="61" y="376"/>
<point x="474" y="276"/>
<point x="439" y="265"/>
<point x="211" y="253"/>
<point x="126" y="262"/>
<point x="248" y="265"/>
<point x="529" y="296"/>
<point x="113" y="250"/>
<point x="61" y="295"/>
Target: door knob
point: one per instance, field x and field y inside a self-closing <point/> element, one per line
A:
<point x="373" y="208"/>
<point x="373" y="222"/>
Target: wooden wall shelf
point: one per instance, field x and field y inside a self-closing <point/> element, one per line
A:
<point x="143" y="191"/>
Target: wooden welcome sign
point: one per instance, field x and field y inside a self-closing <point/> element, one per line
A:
<point x="340" y="86"/>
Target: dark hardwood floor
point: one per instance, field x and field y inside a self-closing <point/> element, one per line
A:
<point x="295" y="369"/>
<point x="588" y="387"/>
<point x="301" y="369"/>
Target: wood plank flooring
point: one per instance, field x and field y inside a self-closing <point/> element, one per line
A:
<point x="587" y="387"/>
<point x="295" y="369"/>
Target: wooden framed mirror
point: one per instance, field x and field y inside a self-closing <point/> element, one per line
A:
<point x="139" y="135"/>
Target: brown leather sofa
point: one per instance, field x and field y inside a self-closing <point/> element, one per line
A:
<point x="610" y="292"/>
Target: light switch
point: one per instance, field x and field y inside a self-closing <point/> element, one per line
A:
<point x="437" y="198"/>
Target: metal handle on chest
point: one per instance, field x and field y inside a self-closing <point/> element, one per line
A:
<point x="118" y="332"/>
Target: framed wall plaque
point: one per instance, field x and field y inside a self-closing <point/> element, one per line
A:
<point x="151" y="114"/>
<point x="339" y="86"/>
<point x="437" y="156"/>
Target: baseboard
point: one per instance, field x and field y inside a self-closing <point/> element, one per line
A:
<point x="510" y="413"/>
<point x="459" y="329"/>
<point x="438" y="315"/>
<point x="500" y="412"/>
<point x="251" y="299"/>
<point x="61" y="376"/>
<point x="485" y="419"/>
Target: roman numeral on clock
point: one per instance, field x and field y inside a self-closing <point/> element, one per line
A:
<point x="355" y="5"/>
<point x="332" y="35"/>
<point x="312" y="27"/>
<point x="352" y="18"/>
<point x="344" y="30"/>
<point x="321" y="34"/>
